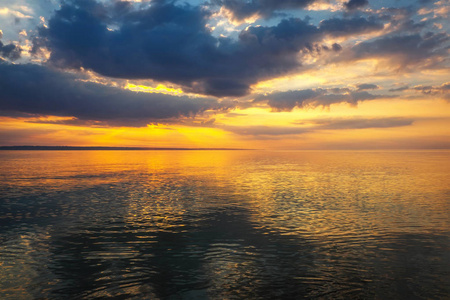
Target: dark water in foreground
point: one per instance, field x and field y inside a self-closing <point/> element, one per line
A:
<point x="224" y="225"/>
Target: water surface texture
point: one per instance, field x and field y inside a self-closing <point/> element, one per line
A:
<point x="224" y="225"/>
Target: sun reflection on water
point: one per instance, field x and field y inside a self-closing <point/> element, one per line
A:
<point x="224" y="224"/>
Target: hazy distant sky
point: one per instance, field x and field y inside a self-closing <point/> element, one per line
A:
<point x="287" y="74"/>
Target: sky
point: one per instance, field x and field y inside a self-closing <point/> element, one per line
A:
<point x="259" y="74"/>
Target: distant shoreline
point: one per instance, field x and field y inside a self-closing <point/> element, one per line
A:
<point x="84" y="148"/>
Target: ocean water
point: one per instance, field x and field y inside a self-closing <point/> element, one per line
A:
<point x="224" y="225"/>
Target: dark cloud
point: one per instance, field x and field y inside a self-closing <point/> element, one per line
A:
<point x="405" y="51"/>
<point x="442" y="90"/>
<point x="163" y="41"/>
<point x="169" y="42"/>
<point x="336" y="47"/>
<point x="242" y="9"/>
<point x="37" y="90"/>
<point x="355" y="4"/>
<point x="344" y="27"/>
<point x="399" y="89"/>
<point x="367" y="86"/>
<point x="15" y="114"/>
<point x="10" y="51"/>
<point x="286" y="101"/>
<point x="403" y="20"/>
<point x="431" y="90"/>
<point x="166" y="42"/>
<point x="409" y="44"/>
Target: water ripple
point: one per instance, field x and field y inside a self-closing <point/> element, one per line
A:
<point x="224" y="225"/>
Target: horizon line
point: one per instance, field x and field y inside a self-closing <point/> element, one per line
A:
<point x="136" y="148"/>
<point x="35" y="147"/>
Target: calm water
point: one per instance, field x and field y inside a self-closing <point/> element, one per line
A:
<point x="224" y="225"/>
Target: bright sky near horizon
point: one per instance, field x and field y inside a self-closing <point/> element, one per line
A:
<point x="271" y="74"/>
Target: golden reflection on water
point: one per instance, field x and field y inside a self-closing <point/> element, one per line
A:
<point x="325" y="190"/>
<point x="300" y="187"/>
<point x="228" y="223"/>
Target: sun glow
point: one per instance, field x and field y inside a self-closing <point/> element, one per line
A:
<point x="160" y="88"/>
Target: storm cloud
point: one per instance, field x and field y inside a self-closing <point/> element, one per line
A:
<point x="37" y="90"/>
<point x="169" y="42"/>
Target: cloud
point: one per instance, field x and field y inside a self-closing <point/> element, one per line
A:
<point x="358" y="123"/>
<point x="344" y="27"/>
<point x="308" y="126"/>
<point x="169" y="42"/>
<point x="242" y="10"/>
<point x="367" y="86"/>
<point x="399" y="89"/>
<point x="355" y="4"/>
<point x="443" y="90"/>
<point x="408" y="51"/>
<point x="10" y="51"/>
<point x="286" y="101"/>
<point x="15" y="13"/>
<point x="430" y="90"/>
<point x="166" y="42"/>
<point x="38" y="90"/>
<point x="264" y="130"/>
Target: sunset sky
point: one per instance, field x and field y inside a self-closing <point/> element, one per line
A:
<point x="265" y="74"/>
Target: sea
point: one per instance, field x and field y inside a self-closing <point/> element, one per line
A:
<point x="218" y="224"/>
